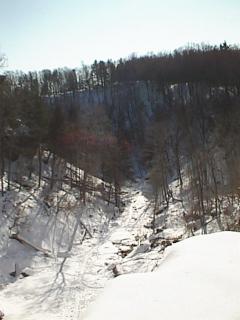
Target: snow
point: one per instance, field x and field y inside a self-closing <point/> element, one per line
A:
<point x="64" y="284"/>
<point x="198" y="279"/>
<point x="60" y="288"/>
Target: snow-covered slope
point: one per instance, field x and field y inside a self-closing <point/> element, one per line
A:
<point x="61" y="287"/>
<point x="198" y="279"/>
<point x="64" y="283"/>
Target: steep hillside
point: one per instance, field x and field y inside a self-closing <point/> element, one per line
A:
<point x="104" y="167"/>
<point x="61" y="252"/>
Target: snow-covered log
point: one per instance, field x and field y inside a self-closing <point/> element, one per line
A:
<point x="26" y="242"/>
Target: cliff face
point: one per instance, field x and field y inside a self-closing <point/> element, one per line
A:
<point x="129" y="105"/>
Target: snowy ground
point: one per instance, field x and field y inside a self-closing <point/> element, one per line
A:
<point x="198" y="279"/>
<point x="63" y="284"/>
<point x="60" y="288"/>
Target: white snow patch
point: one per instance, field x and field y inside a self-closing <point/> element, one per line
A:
<point x="198" y="279"/>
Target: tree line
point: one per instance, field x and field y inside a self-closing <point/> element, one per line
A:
<point x="215" y="65"/>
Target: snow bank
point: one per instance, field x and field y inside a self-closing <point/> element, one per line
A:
<point x="198" y="279"/>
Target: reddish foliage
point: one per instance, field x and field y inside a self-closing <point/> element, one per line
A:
<point x="88" y="139"/>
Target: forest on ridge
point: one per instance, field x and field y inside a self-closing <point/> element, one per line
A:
<point x="167" y="115"/>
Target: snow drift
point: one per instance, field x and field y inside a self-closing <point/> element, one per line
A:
<point x="198" y="279"/>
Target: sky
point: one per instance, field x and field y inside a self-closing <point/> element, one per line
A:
<point x="47" y="34"/>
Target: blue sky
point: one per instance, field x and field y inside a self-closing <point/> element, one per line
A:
<point x="38" y="34"/>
